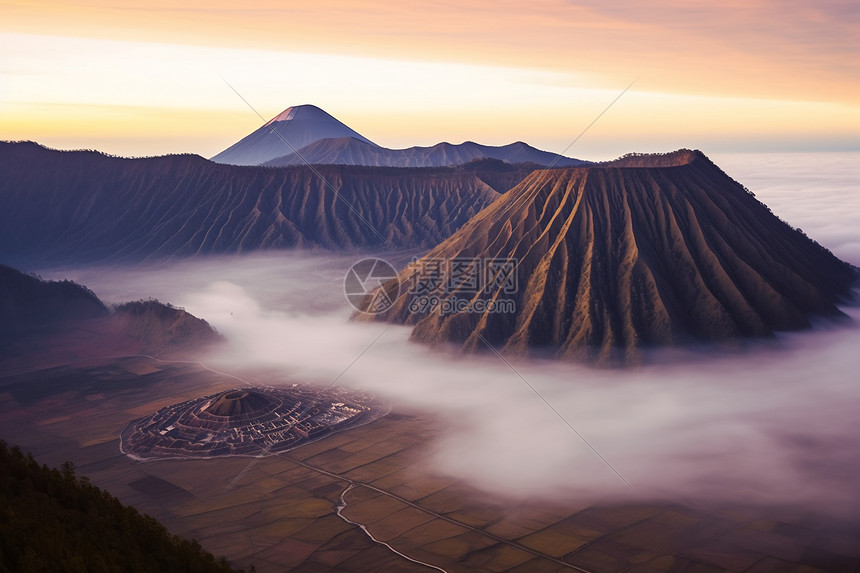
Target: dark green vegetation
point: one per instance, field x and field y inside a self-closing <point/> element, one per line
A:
<point x="613" y="259"/>
<point x="53" y="520"/>
<point x="27" y="302"/>
<point x="159" y="325"/>
<point x="81" y="206"/>
<point x="68" y="322"/>
<point x="45" y="317"/>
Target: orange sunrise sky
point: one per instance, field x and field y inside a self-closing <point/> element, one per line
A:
<point x="144" y="78"/>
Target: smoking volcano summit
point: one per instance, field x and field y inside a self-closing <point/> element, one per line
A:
<point x="286" y="133"/>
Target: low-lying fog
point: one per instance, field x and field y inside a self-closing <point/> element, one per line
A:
<point x="770" y="425"/>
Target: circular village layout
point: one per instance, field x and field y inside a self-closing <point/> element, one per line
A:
<point x="247" y="422"/>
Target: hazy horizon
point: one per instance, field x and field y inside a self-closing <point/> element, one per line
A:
<point x="753" y="76"/>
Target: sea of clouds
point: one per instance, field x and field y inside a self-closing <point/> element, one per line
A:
<point x="773" y="424"/>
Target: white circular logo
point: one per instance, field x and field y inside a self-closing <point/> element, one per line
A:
<point x="371" y="286"/>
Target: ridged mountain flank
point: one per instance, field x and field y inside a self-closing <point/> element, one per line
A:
<point x="80" y="206"/>
<point x="647" y="251"/>
<point x="287" y="132"/>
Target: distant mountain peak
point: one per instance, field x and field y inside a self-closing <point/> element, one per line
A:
<point x="289" y="131"/>
<point x="304" y="111"/>
<point x="308" y="134"/>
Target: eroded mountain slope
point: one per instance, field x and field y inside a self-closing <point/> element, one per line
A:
<point x="610" y="260"/>
<point x="85" y="206"/>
